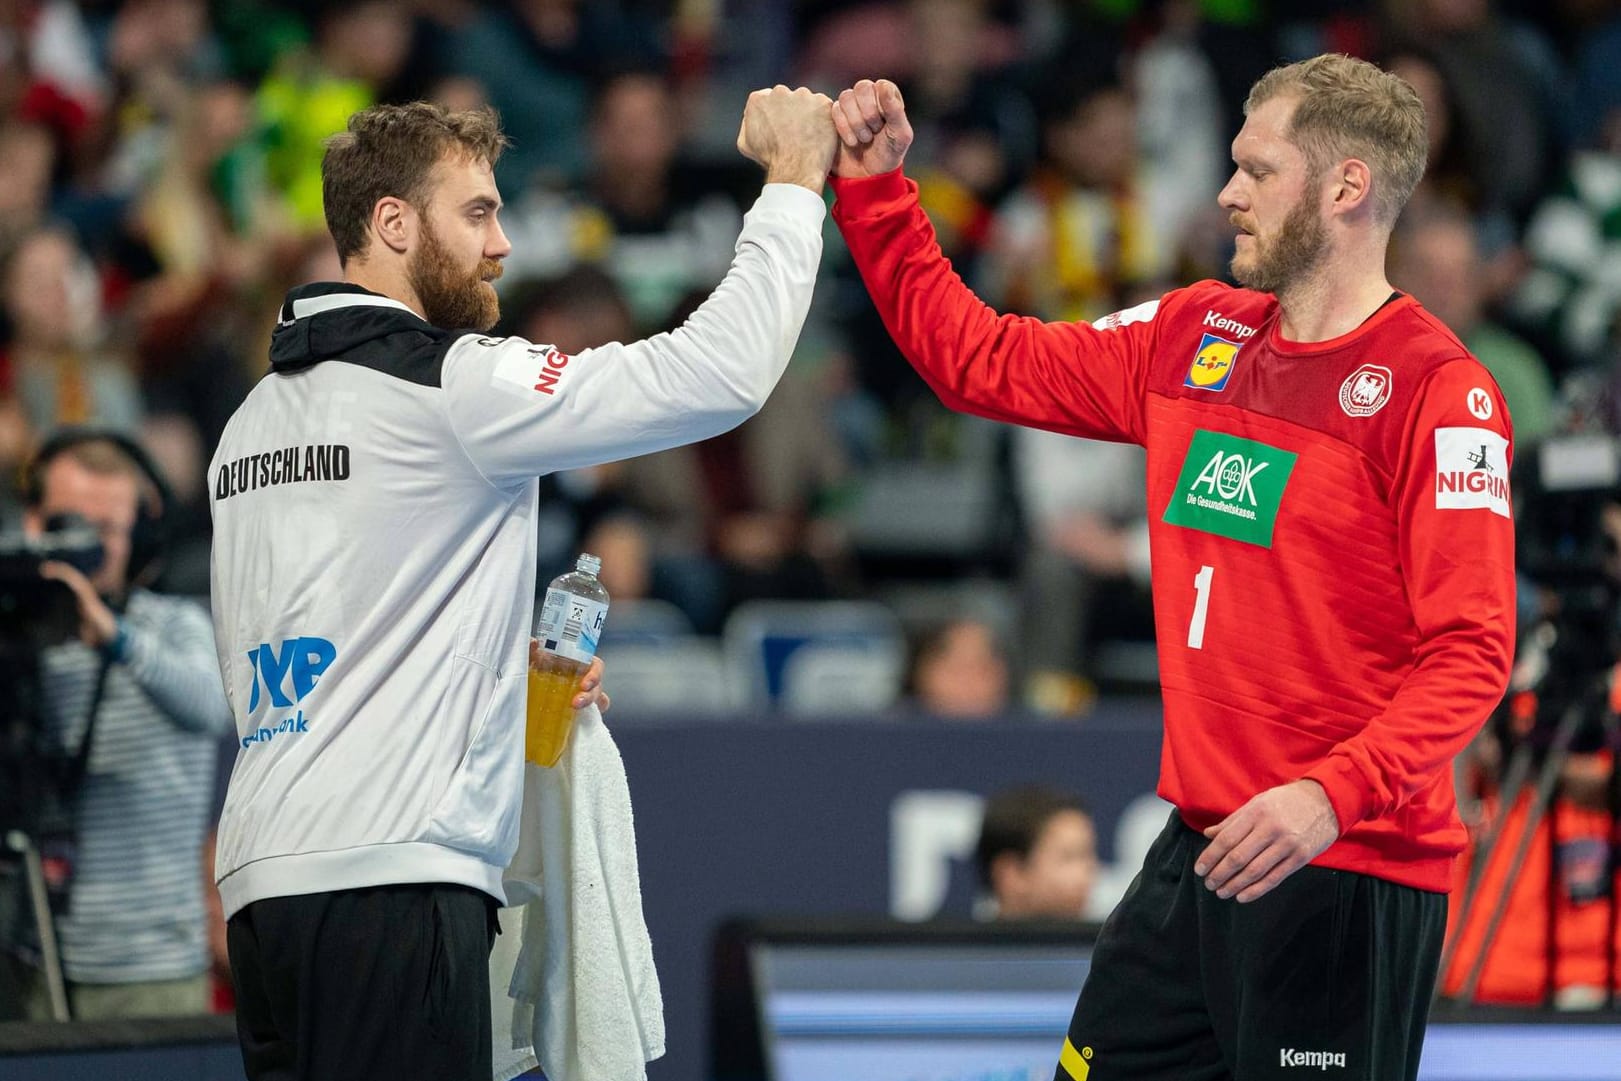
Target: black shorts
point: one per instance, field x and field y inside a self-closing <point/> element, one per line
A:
<point x="1327" y="976"/>
<point x="388" y="982"/>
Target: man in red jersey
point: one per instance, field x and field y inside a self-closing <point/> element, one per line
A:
<point x="1333" y="579"/>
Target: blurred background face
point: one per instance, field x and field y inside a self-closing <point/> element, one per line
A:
<point x="1445" y="16"/>
<point x="580" y="326"/>
<point x="26" y="158"/>
<point x="1096" y="144"/>
<point x="636" y="129"/>
<point x="49" y="291"/>
<point x="370" y="42"/>
<point x="1431" y="88"/>
<point x="1055" y="880"/>
<point x="965" y="675"/>
<point x="108" y="501"/>
<point x="947" y="34"/>
<point x="223" y="115"/>
<point x="1438" y="263"/>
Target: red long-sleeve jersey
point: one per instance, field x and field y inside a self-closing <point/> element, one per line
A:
<point x="1332" y="546"/>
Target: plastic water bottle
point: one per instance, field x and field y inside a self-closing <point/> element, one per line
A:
<point x="570" y="624"/>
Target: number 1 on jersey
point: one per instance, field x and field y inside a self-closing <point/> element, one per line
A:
<point x="1201" y="606"/>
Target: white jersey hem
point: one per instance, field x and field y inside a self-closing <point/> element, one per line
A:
<point x="356" y="868"/>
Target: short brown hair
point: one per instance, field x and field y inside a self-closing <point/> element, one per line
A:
<point x="391" y="150"/>
<point x="1015" y="819"/>
<point x="1348" y="108"/>
<point x="102" y="455"/>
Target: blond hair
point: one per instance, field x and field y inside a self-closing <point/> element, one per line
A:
<point x="1348" y="108"/>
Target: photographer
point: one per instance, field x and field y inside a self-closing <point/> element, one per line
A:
<point x="1540" y="924"/>
<point x="138" y="693"/>
<point x="1521" y="968"/>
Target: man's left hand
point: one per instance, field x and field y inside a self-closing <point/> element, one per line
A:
<point x="97" y="624"/>
<point x="1267" y="840"/>
<point x="590" y="689"/>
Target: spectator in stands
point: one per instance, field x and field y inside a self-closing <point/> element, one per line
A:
<point x="144" y="671"/>
<point x="662" y="225"/>
<point x="1087" y="555"/>
<point x="956" y="61"/>
<point x="1076" y="241"/>
<point x="62" y="368"/>
<point x="1507" y="85"/>
<point x="1450" y="183"/>
<point x="959" y="670"/>
<point x="643" y="516"/>
<point x="359" y="50"/>
<point x="27" y="160"/>
<point x="1435" y="257"/>
<point x="539" y="61"/>
<point x="1037" y="854"/>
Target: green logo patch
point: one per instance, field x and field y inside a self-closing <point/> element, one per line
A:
<point x="1231" y="487"/>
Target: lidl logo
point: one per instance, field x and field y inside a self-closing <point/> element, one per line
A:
<point x="1231" y="487"/>
<point x="1213" y="364"/>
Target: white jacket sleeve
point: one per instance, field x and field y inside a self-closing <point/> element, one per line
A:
<point x="521" y="409"/>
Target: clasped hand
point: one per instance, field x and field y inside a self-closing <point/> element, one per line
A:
<point x="800" y="136"/>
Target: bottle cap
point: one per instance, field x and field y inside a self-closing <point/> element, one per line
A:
<point x="588" y="563"/>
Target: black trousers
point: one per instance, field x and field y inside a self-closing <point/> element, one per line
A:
<point x="1329" y="975"/>
<point x="388" y="982"/>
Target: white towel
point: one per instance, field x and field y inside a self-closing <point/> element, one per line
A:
<point x="583" y="993"/>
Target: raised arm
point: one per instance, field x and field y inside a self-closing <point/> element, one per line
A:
<point x="1077" y="378"/>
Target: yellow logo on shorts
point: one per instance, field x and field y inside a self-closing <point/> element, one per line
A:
<point x="1078" y="1064"/>
<point x="1213" y="364"/>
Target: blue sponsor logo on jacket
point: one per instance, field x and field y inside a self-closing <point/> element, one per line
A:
<point x="285" y="676"/>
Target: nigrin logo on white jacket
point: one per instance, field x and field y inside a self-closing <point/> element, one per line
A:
<point x="372" y="606"/>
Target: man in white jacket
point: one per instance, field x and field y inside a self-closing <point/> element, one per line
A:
<point x="374" y="505"/>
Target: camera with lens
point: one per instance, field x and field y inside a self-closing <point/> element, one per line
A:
<point x="35" y="614"/>
<point x="38" y="612"/>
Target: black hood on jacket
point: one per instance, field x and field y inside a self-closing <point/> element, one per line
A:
<point x="381" y="337"/>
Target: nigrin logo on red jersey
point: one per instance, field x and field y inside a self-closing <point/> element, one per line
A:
<point x="1471" y="470"/>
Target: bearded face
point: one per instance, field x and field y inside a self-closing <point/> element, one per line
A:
<point x="1289" y="255"/>
<point x="454" y="296"/>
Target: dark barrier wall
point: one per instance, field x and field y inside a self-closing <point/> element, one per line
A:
<point x="171" y="1049"/>
<point x="795" y="817"/>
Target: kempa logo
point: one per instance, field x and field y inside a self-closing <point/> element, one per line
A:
<point x="1231" y="326"/>
<point x="1231" y="487"/>
<point x="1288" y="1056"/>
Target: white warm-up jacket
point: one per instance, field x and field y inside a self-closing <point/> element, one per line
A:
<point x="374" y="504"/>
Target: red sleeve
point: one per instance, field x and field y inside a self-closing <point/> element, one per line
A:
<point x="1076" y="378"/>
<point x="1456" y="544"/>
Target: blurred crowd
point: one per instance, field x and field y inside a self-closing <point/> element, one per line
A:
<point x="160" y="190"/>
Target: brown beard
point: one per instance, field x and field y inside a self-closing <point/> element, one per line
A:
<point x="1292" y="254"/>
<point x="453" y="298"/>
